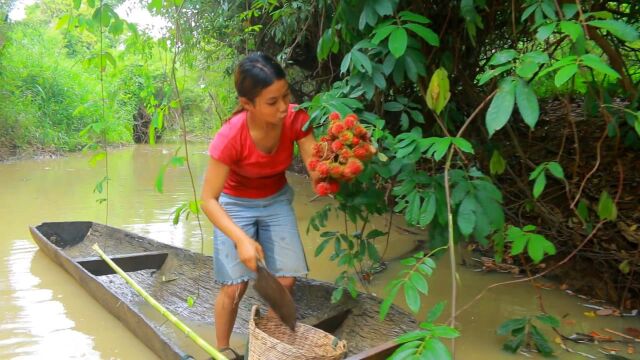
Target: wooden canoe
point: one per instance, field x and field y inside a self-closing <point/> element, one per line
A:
<point x="170" y="274"/>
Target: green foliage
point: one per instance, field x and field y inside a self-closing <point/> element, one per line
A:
<point x="426" y="343"/>
<point x="538" y="175"/>
<point x="525" y="333"/>
<point x="537" y="245"/>
<point x="412" y="281"/>
<point x="46" y="98"/>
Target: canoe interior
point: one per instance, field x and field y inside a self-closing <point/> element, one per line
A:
<point x="171" y="274"/>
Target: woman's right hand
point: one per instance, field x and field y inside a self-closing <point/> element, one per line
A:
<point x="249" y="251"/>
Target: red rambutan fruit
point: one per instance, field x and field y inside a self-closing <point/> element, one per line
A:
<point x="336" y="129"/>
<point x="323" y="168"/>
<point x="353" y="168"/>
<point x="334" y="116"/>
<point x="350" y="121"/>
<point x="336" y="145"/>
<point x="334" y="186"/>
<point x="313" y="164"/>
<point x="346" y="136"/>
<point x="323" y="188"/>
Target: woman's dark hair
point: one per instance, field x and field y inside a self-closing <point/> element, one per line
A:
<point x="256" y="72"/>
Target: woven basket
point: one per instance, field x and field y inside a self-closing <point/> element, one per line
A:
<point x="271" y="339"/>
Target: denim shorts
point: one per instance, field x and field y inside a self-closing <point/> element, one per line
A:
<point x="270" y="221"/>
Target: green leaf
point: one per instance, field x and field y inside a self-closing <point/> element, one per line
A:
<point x="435" y="311"/>
<point x="419" y="282"/>
<point x="393" y="106"/>
<point x="336" y="295"/>
<point x="488" y="75"/>
<point x="555" y="169"/>
<point x="501" y="106"/>
<point x="565" y="74"/>
<point x="435" y="349"/>
<point x="569" y="10"/>
<point x="190" y="301"/>
<point x="346" y="61"/>
<point x="381" y="32"/>
<point x="541" y="343"/>
<point x="513" y="344"/>
<point x="383" y="7"/>
<point x="497" y="165"/>
<point x="362" y="61"/>
<point x="447" y="332"/>
<point x="155" y="5"/>
<point x="526" y="69"/>
<point x="412" y="297"/>
<point x="438" y="93"/>
<point x="538" y="57"/>
<point x="408" y="261"/>
<point x="571" y="28"/>
<point x="548" y="320"/>
<point x="405" y="351"/>
<point x="620" y="29"/>
<point x="463" y="144"/>
<point x="425" y="33"/>
<point x="537" y="246"/>
<point x="512" y="324"/>
<point x="428" y="210"/>
<point x="398" y="41"/>
<point x="412" y="336"/>
<point x="583" y="210"/>
<point x="606" y="207"/>
<point x="545" y="31"/>
<point x="597" y="64"/>
<point x="519" y="242"/>
<point x="503" y="56"/>
<point x="322" y="246"/>
<point x="413" y="17"/>
<point x="538" y="186"/>
<point x="160" y="179"/>
<point x="625" y="267"/>
<point x="466" y="218"/>
<point x="527" y="103"/>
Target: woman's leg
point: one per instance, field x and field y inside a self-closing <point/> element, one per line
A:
<point x="288" y="283"/>
<point x="226" y="310"/>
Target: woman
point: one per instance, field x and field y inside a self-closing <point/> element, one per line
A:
<point x="245" y="192"/>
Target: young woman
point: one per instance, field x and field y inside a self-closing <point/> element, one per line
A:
<point x="245" y="192"/>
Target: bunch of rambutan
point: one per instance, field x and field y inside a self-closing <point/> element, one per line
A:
<point x="340" y="155"/>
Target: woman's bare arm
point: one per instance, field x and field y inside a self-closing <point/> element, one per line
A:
<point x="248" y="249"/>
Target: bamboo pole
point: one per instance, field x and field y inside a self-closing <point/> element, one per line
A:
<point x="161" y="309"/>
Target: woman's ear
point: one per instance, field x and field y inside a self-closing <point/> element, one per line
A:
<point x="245" y="103"/>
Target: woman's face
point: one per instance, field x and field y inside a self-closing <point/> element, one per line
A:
<point x="272" y="105"/>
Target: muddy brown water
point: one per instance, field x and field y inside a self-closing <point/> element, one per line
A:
<point x="45" y="314"/>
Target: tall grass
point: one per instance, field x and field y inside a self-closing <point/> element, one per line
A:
<point x="46" y="97"/>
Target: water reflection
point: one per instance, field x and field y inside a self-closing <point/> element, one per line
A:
<point x="38" y="323"/>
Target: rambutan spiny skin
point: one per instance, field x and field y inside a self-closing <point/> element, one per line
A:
<point x="336" y="170"/>
<point x="336" y="146"/>
<point x="323" y="168"/>
<point x="361" y="152"/>
<point x="336" y="129"/>
<point x="350" y="121"/>
<point x="360" y="131"/>
<point x="340" y="153"/>
<point x="346" y="136"/>
<point x="323" y="188"/>
<point x="334" y="186"/>
<point x="313" y="164"/>
<point x="353" y="168"/>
